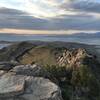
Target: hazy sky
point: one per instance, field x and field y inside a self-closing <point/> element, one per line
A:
<point x="49" y="16"/>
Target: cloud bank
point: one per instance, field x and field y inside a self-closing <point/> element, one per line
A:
<point x="64" y="15"/>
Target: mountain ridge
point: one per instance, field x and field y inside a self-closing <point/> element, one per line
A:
<point x="73" y="67"/>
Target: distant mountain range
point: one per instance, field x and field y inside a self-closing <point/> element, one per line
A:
<point x="86" y="34"/>
<point x="76" y="37"/>
<point x="80" y="35"/>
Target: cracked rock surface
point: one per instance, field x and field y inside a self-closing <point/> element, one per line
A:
<point x="27" y="86"/>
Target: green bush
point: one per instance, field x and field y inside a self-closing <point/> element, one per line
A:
<point x="56" y="71"/>
<point x="80" y="76"/>
<point x="83" y="77"/>
<point x="94" y="86"/>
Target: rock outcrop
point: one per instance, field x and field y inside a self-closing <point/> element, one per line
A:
<point x="24" y="83"/>
<point x="30" y="70"/>
<point x="11" y="85"/>
<point x="73" y="58"/>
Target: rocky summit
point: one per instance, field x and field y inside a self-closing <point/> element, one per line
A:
<point x="20" y="84"/>
<point x="49" y="71"/>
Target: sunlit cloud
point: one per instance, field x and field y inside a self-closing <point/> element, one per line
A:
<point x="53" y="8"/>
<point x="29" y="32"/>
<point x="52" y="15"/>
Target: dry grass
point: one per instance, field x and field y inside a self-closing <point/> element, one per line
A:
<point x="39" y="55"/>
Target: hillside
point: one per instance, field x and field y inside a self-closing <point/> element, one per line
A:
<point x="74" y="67"/>
<point x="20" y="48"/>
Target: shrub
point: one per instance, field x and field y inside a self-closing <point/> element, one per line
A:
<point x="83" y="77"/>
<point x="80" y="76"/>
<point x="56" y="71"/>
<point x="94" y="86"/>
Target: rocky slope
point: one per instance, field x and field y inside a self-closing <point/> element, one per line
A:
<point x="68" y="70"/>
<point x="27" y="83"/>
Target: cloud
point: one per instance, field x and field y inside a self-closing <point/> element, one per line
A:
<point x="11" y="18"/>
<point x="62" y="7"/>
<point x="41" y="8"/>
<point x="7" y="11"/>
<point x="82" y="5"/>
<point x="16" y="19"/>
<point x="50" y="15"/>
<point x="54" y="8"/>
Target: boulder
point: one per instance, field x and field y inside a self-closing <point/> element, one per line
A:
<point x="30" y="70"/>
<point x="41" y="89"/>
<point x="11" y="85"/>
<point x="19" y="87"/>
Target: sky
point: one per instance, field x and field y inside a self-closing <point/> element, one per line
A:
<point x="49" y="16"/>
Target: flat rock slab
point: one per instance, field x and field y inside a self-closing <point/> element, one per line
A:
<point x="11" y="85"/>
<point x="24" y="82"/>
<point x="41" y="89"/>
<point x="30" y="70"/>
<point x="15" y="87"/>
